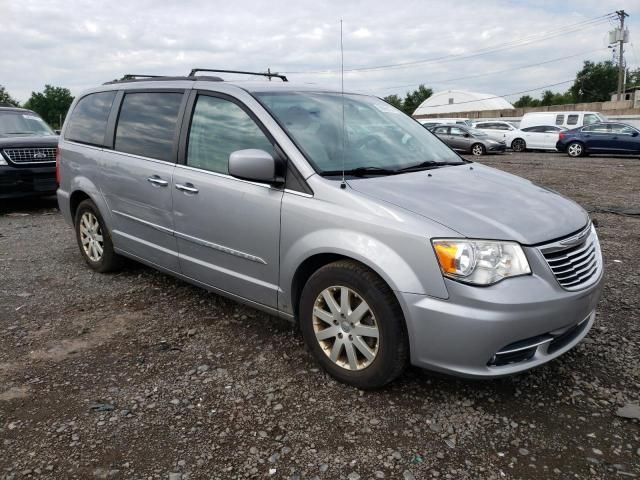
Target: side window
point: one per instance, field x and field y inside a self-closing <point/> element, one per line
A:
<point x="559" y="119"/>
<point x="590" y="118"/>
<point x="572" y="119"/>
<point x="147" y="124"/>
<point x="88" y="121"/>
<point x="440" y="130"/>
<point x="602" y="128"/>
<point x="219" y="128"/>
<point x="457" y="131"/>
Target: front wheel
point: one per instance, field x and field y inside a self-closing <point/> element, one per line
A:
<point x="477" y="149"/>
<point x="575" y="149"/>
<point x="352" y="323"/>
<point x="518" y="145"/>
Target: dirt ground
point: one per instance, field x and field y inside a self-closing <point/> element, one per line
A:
<point x="139" y="375"/>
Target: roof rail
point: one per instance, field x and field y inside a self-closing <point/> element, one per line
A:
<point x="142" y="78"/>
<point x="267" y="74"/>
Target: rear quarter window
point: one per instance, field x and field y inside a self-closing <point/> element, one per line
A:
<point x="88" y="121"/>
<point x="559" y="119"/>
<point x="147" y="124"/>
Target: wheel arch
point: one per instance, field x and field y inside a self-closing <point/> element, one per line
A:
<point x="516" y="139"/>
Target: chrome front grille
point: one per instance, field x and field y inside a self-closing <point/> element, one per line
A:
<point x="576" y="262"/>
<point x="31" y="154"/>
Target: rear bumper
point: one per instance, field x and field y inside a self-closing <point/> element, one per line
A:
<point x="27" y="181"/>
<point x="495" y="331"/>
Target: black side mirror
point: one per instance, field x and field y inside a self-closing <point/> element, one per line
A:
<point x="635" y="133"/>
<point x="255" y="165"/>
<point x="466" y="135"/>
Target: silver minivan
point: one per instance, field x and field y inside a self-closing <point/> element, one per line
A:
<point x="337" y="212"/>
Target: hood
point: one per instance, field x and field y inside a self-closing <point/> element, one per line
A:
<point x="480" y="202"/>
<point x="29" y="141"/>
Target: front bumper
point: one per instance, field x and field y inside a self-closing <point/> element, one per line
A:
<point x="495" y="331"/>
<point x="27" y="181"/>
<point x="496" y="148"/>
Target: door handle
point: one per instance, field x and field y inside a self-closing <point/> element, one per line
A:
<point x="157" y="181"/>
<point x="187" y="188"/>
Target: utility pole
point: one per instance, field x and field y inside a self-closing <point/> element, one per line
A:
<point x="621" y="16"/>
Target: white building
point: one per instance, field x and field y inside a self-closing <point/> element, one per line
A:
<point x="451" y="101"/>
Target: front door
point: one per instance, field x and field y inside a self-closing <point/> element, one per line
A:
<point x="137" y="176"/>
<point x="227" y="229"/>
<point x="458" y="140"/>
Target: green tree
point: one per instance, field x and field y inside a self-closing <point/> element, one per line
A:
<point x="394" y="100"/>
<point x="633" y="78"/>
<point x="595" y="82"/>
<point x="6" y="99"/>
<point x="526" y="101"/>
<point x="413" y="99"/>
<point x="52" y="104"/>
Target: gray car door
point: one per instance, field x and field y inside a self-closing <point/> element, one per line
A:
<point x="458" y="140"/>
<point x="227" y="229"/>
<point x="137" y="174"/>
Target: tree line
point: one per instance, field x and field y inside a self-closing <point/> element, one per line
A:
<point x="51" y="104"/>
<point x="595" y="82"/>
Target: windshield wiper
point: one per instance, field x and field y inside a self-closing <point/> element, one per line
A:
<point x="426" y="165"/>
<point x="361" y="171"/>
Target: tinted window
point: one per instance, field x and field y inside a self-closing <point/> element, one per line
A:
<point x="147" y="124"/>
<point x="572" y="119"/>
<point x="621" y="128"/>
<point x="88" y="122"/>
<point x="457" y="131"/>
<point x="559" y="119"/>
<point x="219" y="128"/>
<point x="440" y="130"/>
<point x="483" y="125"/>
<point x="531" y="129"/>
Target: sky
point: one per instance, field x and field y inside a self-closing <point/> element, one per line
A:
<point x="490" y="46"/>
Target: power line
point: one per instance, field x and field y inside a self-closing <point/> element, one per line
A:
<point x="565" y="30"/>
<point x="501" y="96"/>
<point x="448" y="80"/>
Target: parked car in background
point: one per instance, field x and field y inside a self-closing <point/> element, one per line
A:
<point x="386" y="249"/>
<point x="560" y="119"/>
<point x="468" y="140"/>
<point x="456" y="121"/>
<point x="543" y="137"/>
<point x="496" y="130"/>
<point x="429" y="125"/>
<point x="27" y="154"/>
<point x="605" y="137"/>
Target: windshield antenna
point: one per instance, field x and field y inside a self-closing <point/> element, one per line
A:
<point x="343" y="184"/>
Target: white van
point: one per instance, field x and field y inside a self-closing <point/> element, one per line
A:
<point x="560" y="119"/>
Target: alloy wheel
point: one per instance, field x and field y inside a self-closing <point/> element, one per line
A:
<point x="574" y="150"/>
<point x="477" y="149"/>
<point x="518" y="145"/>
<point x="91" y="236"/>
<point x="345" y="328"/>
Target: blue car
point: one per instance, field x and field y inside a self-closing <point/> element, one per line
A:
<point x="604" y="137"/>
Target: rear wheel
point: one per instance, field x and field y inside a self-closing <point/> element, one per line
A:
<point x="575" y="149"/>
<point x="352" y="323"/>
<point x="477" y="149"/>
<point x="518" y="145"/>
<point x="94" y="239"/>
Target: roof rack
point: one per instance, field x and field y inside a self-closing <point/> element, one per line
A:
<point x="267" y="74"/>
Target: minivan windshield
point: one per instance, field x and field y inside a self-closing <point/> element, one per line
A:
<point x="16" y="123"/>
<point x="378" y="138"/>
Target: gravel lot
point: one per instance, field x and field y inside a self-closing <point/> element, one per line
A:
<point x="139" y="375"/>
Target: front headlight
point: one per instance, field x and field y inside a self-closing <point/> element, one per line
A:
<point x="2" y="160"/>
<point x="481" y="262"/>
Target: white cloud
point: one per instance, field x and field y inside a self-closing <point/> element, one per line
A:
<point x="79" y="44"/>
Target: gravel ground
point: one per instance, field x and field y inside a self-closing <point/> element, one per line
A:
<point x="139" y="375"/>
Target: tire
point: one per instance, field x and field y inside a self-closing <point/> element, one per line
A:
<point x="575" y="149"/>
<point x="92" y="236"/>
<point x="387" y="354"/>
<point x="478" y="149"/>
<point x="518" y="145"/>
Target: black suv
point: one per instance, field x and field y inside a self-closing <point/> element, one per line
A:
<point x="27" y="154"/>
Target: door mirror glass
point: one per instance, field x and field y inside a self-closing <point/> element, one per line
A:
<point x="254" y="165"/>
